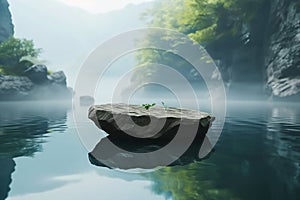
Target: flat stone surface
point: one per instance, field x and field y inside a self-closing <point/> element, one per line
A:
<point x="136" y="121"/>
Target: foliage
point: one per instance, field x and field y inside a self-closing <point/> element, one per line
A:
<point x="193" y="182"/>
<point x="218" y="25"/>
<point x="205" y="20"/>
<point x="148" y="106"/>
<point x="11" y="53"/>
<point x="149" y="72"/>
<point x="49" y="72"/>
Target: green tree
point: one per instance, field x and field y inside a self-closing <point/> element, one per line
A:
<point x="221" y="26"/>
<point x="11" y="53"/>
<point x="205" y="20"/>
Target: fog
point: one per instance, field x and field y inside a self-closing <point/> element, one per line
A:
<point x="68" y="34"/>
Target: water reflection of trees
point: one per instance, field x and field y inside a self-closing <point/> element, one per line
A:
<point x="7" y="167"/>
<point x="24" y="127"/>
<point x="23" y="138"/>
<point x="197" y="181"/>
<point x="257" y="157"/>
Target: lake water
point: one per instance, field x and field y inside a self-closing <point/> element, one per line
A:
<point x="256" y="157"/>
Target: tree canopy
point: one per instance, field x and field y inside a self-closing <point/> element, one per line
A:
<point x="220" y="26"/>
<point x="11" y="53"/>
<point x="205" y="20"/>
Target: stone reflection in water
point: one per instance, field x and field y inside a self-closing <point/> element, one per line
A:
<point x="24" y="127"/>
<point x="131" y="153"/>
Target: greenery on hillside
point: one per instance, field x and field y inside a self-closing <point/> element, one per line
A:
<point x="11" y="53"/>
<point x="219" y="25"/>
<point x="205" y="20"/>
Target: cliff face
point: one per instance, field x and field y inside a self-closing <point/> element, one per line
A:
<point x="282" y="59"/>
<point x="6" y="25"/>
<point x="266" y="53"/>
<point x="240" y="57"/>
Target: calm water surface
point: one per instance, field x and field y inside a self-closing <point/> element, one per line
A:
<point x="256" y="157"/>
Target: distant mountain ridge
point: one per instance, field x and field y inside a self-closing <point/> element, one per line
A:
<point x="6" y="25"/>
<point x="68" y="34"/>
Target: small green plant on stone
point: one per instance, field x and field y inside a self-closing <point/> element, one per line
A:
<point x="148" y="106"/>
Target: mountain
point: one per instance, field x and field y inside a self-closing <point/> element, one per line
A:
<point x="68" y="34"/>
<point x="6" y="26"/>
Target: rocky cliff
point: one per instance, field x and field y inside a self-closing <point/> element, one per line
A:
<point x="6" y="25"/>
<point x="282" y="60"/>
<point x="264" y="57"/>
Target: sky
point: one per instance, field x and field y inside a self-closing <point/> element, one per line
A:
<point x="103" y="6"/>
<point x="53" y="26"/>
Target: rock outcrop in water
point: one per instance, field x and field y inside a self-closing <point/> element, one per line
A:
<point x="156" y="123"/>
<point x="6" y="25"/>
<point x="35" y="85"/>
<point x="145" y="139"/>
<point x="37" y="74"/>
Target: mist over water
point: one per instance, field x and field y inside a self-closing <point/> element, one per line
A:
<point x="44" y="147"/>
<point x="258" y="150"/>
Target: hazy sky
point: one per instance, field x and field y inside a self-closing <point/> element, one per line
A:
<point x="68" y="33"/>
<point x="97" y="6"/>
